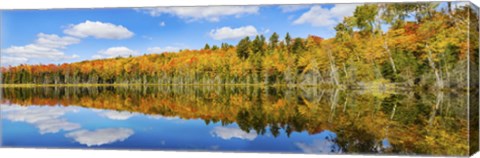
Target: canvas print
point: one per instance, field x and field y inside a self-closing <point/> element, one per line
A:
<point x="360" y="78"/>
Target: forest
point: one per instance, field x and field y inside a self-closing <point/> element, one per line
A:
<point x="388" y="45"/>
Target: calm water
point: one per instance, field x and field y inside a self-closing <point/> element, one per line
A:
<point x="246" y="119"/>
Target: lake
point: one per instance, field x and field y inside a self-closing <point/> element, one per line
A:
<point x="236" y="118"/>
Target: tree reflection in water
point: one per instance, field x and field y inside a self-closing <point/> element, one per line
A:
<point x="356" y="121"/>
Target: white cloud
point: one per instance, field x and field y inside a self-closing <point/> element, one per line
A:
<point x="98" y="29"/>
<point x="46" y="119"/>
<point x="116" y="115"/>
<point x="164" y="49"/>
<point x="46" y="46"/>
<point x="229" y="133"/>
<point x="97" y="56"/>
<point x="100" y="136"/>
<point x="115" y="52"/>
<point x="225" y="33"/>
<point x="6" y="60"/>
<point x="55" y="41"/>
<point x="211" y="13"/>
<point x="34" y="51"/>
<point x="322" y="17"/>
<point x="75" y="56"/>
<point x="162" y="23"/>
<point x="292" y="8"/>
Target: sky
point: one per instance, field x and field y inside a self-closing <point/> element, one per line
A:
<point x="70" y="35"/>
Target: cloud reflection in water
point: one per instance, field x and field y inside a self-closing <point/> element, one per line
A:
<point x="227" y="133"/>
<point x="46" y="119"/>
<point x="117" y="115"/>
<point x="50" y="119"/>
<point x="326" y="145"/>
<point x="101" y="136"/>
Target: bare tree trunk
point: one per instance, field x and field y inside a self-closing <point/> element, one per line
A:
<point x="333" y="68"/>
<point x="319" y="99"/>
<point x="333" y="101"/>
<point x="346" y="73"/>
<point x="385" y="45"/>
<point x="393" y="111"/>
<point x="445" y="67"/>
<point x="387" y="50"/>
<point x="436" y="107"/>
<point x="345" y="104"/>
<point x="432" y="65"/>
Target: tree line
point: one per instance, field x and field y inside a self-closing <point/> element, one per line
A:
<point x="399" y="44"/>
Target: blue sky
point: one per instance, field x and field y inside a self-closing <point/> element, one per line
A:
<point x="70" y="35"/>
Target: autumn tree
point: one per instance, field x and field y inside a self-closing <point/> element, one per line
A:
<point x="244" y="48"/>
<point x="273" y="40"/>
<point x="207" y="47"/>
<point x="288" y="39"/>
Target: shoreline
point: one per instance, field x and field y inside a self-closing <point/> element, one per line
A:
<point x="377" y="87"/>
<point x="155" y="84"/>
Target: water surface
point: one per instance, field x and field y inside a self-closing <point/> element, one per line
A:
<point x="228" y="118"/>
